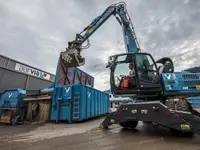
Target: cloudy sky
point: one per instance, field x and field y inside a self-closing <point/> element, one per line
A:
<point x="36" y="31"/>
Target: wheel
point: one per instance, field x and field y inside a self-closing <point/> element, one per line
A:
<point x="170" y="103"/>
<point x="179" y="133"/>
<point x="188" y="134"/>
<point x="182" y="105"/>
<point x="129" y="124"/>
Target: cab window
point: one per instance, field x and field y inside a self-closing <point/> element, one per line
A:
<point x="146" y="67"/>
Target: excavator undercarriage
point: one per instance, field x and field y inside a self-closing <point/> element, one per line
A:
<point x="180" y="120"/>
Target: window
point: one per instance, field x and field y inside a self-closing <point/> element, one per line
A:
<point x="123" y="68"/>
<point x="146" y="67"/>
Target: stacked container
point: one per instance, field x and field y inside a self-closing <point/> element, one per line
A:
<point x="78" y="102"/>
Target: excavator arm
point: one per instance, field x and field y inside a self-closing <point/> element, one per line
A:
<point x="72" y="56"/>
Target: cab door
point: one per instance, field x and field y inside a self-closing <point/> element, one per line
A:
<point x="147" y="74"/>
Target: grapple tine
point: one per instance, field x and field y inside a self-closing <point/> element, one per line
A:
<point x="72" y="58"/>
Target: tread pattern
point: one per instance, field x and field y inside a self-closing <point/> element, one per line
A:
<point x="170" y="104"/>
<point x="182" y="105"/>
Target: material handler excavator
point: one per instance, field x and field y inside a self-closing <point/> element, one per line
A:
<point x="160" y="93"/>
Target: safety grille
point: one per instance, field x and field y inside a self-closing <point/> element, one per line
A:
<point x="190" y="76"/>
<point x="191" y="83"/>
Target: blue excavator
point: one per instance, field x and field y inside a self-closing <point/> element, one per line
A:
<point x="160" y="94"/>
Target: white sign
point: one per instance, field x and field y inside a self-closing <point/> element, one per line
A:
<point x="31" y="71"/>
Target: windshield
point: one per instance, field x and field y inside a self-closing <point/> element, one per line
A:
<point x="124" y="67"/>
<point x="122" y="64"/>
<point x="146" y="67"/>
<point x="127" y="66"/>
<point x="145" y="62"/>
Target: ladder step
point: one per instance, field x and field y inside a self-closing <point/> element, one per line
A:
<point x="75" y="117"/>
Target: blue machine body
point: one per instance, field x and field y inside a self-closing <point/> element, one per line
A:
<point x="181" y="83"/>
<point x="12" y="98"/>
<point x="195" y="101"/>
<point x="78" y="102"/>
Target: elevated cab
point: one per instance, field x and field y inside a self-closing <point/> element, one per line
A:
<point x="134" y="75"/>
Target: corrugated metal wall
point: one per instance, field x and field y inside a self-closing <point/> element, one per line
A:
<point x="11" y="77"/>
<point x="71" y="76"/>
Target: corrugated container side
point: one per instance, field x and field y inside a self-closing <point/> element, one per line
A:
<point x="78" y="102"/>
<point x="99" y="103"/>
<point x="79" y="93"/>
<point x="96" y="110"/>
<point x="102" y="101"/>
<point x="100" y="106"/>
<point x="71" y="76"/>
<point x="92" y="102"/>
<point x="88" y="98"/>
<point x="61" y="105"/>
<point x="97" y="100"/>
<point x="104" y="104"/>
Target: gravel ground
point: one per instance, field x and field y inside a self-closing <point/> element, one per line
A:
<point x="87" y="136"/>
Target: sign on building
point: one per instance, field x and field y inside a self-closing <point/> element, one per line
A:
<point x="33" y="72"/>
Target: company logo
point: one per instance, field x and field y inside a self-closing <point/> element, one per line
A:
<point x="67" y="89"/>
<point x="168" y="76"/>
<point x="89" y="94"/>
<point x="9" y="95"/>
<point x="27" y="70"/>
<point x="33" y="72"/>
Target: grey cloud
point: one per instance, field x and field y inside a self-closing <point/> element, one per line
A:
<point x="95" y="65"/>
<point x="35" y="32"/>
<point x="180" y="19"/>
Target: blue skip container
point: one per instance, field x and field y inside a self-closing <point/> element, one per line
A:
<point x="78" y="103"/>
<point x="12" y="98"/>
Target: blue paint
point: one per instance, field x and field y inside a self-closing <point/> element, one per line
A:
<point x="195" y="101"/>
<point x="47" y="90"/>
<point x="183" y="83"/>
<point x="119" y="11"/>
<point x="78" y="102"/>
<point x="12" y="98"/>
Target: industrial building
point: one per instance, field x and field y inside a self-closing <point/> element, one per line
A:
<point x="15" y="74"/>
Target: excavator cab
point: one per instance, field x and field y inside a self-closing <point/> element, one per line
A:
<point x="134" y="75"/>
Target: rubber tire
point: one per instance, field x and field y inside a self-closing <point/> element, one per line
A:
<point x="179" y="133"/>
<point x="170" y="104"/>
<point x="182" y="105"/>
<point x="129" y="124"/>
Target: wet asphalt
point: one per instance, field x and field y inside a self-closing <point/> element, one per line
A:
<point x="144" y="137"/>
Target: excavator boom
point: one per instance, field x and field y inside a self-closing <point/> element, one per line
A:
<point x="72" y="56"/>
